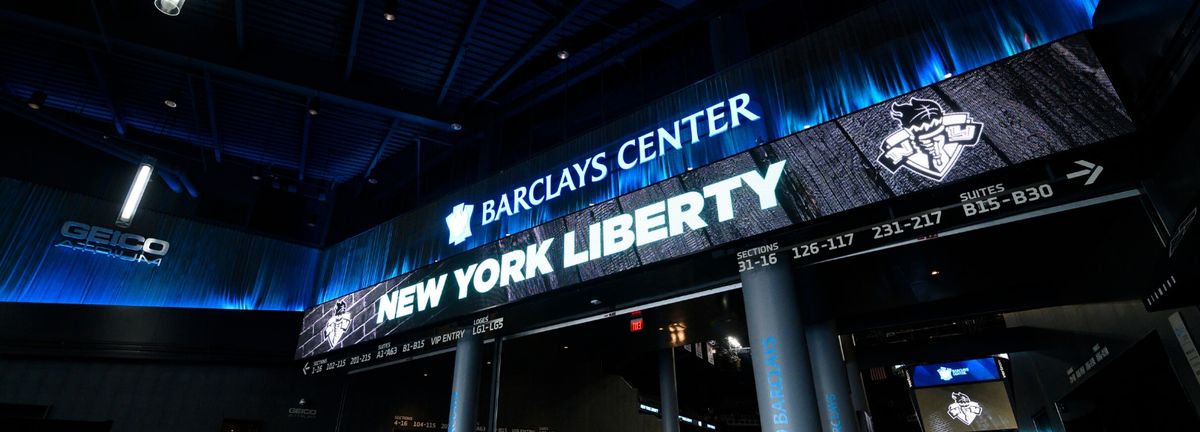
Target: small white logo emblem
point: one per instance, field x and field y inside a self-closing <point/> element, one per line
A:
<point x="338" y="324"/>
<point x="459" y="223"/>
<point x="945" y="373"/>
<point x="930" y="140"/>
<point x="963" y="409"/>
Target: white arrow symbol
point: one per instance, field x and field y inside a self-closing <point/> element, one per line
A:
<point x="305" y="369"/>
<point x="1089" y="168"/>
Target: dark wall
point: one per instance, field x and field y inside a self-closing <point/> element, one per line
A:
<point x="164" y="396"/>
<point x="1039" y="376"/>
<point x="158" y="368"/>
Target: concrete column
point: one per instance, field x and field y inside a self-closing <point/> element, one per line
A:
<point x="668" y="390"/>
<point x="464" y="392"/>
<point x="829" y="373"/>
<point x="778" y="352"/>
<point x="854" y="375"/>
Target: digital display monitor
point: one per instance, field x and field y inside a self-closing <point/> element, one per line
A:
<point x="980" y="406"/>
<point x="959" y="372"/>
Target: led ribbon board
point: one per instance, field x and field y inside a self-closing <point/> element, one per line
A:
<point x="1032" y="105"/>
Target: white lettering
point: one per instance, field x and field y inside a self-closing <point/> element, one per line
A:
<point x="649" y="221"/>
<point x="722" y="191"/>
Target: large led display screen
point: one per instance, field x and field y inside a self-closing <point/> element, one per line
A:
<point x="959" y="372"/>
<point x="969" y="407"/>
<point x="1035" y="104"/>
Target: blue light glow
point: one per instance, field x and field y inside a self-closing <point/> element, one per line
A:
<point x="841" y="69"/>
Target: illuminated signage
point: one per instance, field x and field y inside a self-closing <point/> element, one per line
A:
<point x="930" y="140"/>
<point x="655" y="142"/>
<point x="113" y="243"/>
<point x="636" y="325"/>
<point x="984" y="369"/>
<point x="972" y="407"/>
<point x="815" y="173"/>
<point x="647" y="224"/>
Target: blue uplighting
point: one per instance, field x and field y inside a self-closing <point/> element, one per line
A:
<point x="841" y="69"/>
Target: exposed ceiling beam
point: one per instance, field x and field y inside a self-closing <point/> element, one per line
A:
<point x="618" y="52"/>
<point x="304" y="140"/>
<point x="462" y="50"/>
<point x="353" y="50"/>
<point x="530" y="48"/>
<point x="100" y="25"/>
<point x="212" y="116"/>
<point x="239" y="23"/>
<point x="101" y="74"/>
<point x="382" y="146"/>
<point x="55" y="31"/>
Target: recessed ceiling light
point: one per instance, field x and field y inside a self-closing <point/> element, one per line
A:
<point x="256" y="177"/>
<point x="563" y="54"/>
<point x="36" y="100"/>
<point x="934" y="272"/>
<point x="314" y="106"/>
<point x="455" y="126"/>
<point x="172" y="99"/>
<point x="373" y="180"/>
<point x="390" y="9"/>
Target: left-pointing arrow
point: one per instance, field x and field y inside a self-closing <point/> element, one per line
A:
<point x="305" y="369"/>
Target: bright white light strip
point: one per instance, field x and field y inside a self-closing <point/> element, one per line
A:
<point x="135" y="193"/>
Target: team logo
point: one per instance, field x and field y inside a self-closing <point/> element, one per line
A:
<point x="963" y="409"/>
<point x="930" y="140"/>
<point x="945" y="373"/>
<point x="459" y="223"/>
<point x="338" y="324"/>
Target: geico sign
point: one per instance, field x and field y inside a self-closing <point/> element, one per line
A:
<point x="113" y="243"/>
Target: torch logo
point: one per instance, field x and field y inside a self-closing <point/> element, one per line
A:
<point x="338" y="324"/>
<point x="930" y="140"/>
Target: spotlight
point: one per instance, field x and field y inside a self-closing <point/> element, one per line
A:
<point x="373" y="180"/>
<point x="565" y="347"/>
<point x="390" y="9"/>
<point x="313" y="105"/>
<point x="172" y="99"/>
<point x="134" y="198"/>
<point x="595" y="302"/>
<point x="935" y="272"/>
<point x="36" y="100"/>
<point x="169" y="7"/>
<point x="256" y="177"/>
<point x="455" y="126"/>
<point x="563" y="54"/>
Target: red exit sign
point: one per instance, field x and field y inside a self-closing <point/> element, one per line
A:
<point x="636" y="325"/>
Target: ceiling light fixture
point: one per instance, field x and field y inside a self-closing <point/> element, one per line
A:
<point x="136" y="191"/>
<point x="169" y="7"/>
<point x="36" y="100"/>
<point x="934" y="273"/>
<point x="563" y="54"/>
<point x="172" y="99"/>
<point x="314" y="106"/>
<point x="390" y="9"/>
<point x="456" y="126"/>
<point x="373" y="180"/>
